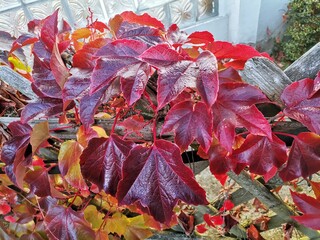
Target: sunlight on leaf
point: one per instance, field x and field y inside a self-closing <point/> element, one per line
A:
<point x="39" y="134"/>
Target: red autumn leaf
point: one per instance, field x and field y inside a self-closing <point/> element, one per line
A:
<point x="201" y="38"/>
<point x="316" y="86"/>
<point x="115" y="60"/>
<point x="176" y="37"/>
<point x="311" y="209"/>
<point x="98" y="25"/>
<point x="58" y="68"/>
<point x="134" y="123"/>
<point x="229" y="75"/>
<point x="16" y="152"/>
<point x="227" y="205"/>
<point x="173" y="79"/>
<point x="213" y="221"/>
<point x="49" y="30"/>
<point x="168" y="180"/>
<point x="4" y="207"/>
<point x="261" y="153"/>
<point x="201" y="228"/>
<point x="23" y="40"/>
<point x="302" y="104"/>
<point x="65" y="223"/>
<point x="161" y="55"/>
<point x="253" y="233"/>
<point x="189" y="121"/>
<point x="101" y="162"/>
<point x="84" y="57"/>
<point x="304" y="157"/>
<point x="144" y="19"/>
<point x="207" y="81"/>
<point x="235" y="108"/>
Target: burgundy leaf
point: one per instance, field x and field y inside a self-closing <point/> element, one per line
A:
<point x="39" y="182"/>
<point x="189" y="121"/>
<point x="88" y="106"/>
<point x="116" y="59"/>
<point x="304" y="157"/>
<point x="156" y="178"/>
<point x="311" y="209"/>
<point x="173" y="79"/>
<point x="49" y="30"/>
<point x="235" y="108"/>
<point x="101" y="162"/>
<point x="302" y="104"/>
<point x="207" y="81"/>
<point x="65" y="223"/>
<point x="45" y="84"/>
<point x="133" y="82"/>
<point x="160" y="55"/>
<point x="47" y="106"/>
<point x="316" y="86"/>
<point x="58" y="68"/>
<point x="16" y="152"/>
<point x="77" y="84"/>
<point x="261" y="153"/>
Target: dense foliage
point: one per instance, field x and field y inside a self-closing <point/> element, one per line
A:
<point x="303" y="28"/>
<point x="139" y="74"/>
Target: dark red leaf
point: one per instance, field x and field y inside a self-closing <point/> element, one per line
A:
<point x="65" y="223"/>
<point x="39" y="182"/>
<point x="115" y="60"/>
<point x="316" y="85"/>
<point x="161" y="55"/>
<point x="16" y="152"/>
<point x="227" y="205"/>
<point x="47" y="106"/>
<point x="88" y="106"/>
<point x="261" y="153"/>
<point x="156" y="179"/>
<point x="134" y="82"/>
<point x="229" y="75"/>
<point x="207" y="81"/>
<point x="49" y="30"/>
<point x="77" y="84"/>
<point x="311" y="209"/>
<point x="304" y="157"/>
<point x="189" y="121"/>
<point x="40" y="51"/>
<point x="101" y="162"/>
<point x="235" y="108"/>
<point x="134" y="123"/>
<point x="302" y="104"/>
<point x="201" y="228"/>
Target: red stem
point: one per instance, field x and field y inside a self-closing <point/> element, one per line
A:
<point x="285" y="134"/>
<point x="115" y="122"/>
<point x="154" y="130"/>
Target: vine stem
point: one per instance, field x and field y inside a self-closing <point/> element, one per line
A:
<point x="154" y="130"/>
<point x="115" y="122"/>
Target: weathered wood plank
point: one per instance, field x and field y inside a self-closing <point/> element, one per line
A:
<point x="307" y="66"/>
<point x="266" y="75"/>
<point x="16" y="81"/>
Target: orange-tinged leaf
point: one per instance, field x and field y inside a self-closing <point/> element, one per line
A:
<point x="39" y="134"/>
<point x="81" y="33"/>
<point x="58" y="68"/>
<point x="118" y="224"/>
<point x="100" y="131"/>
<point x="69" y="164"/>
<point x="115" y="23"/>
<point x="94" y="217"/>
<point x="18" y="64"/>
<point x="316" y="189"/>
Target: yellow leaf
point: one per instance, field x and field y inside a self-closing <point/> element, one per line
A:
<point x="117" y="224"/>
<point x="69" y="164"/>
<point x="81" y="33"/>
<point x="137" y="229"/>
<point x="76" y="202"/>
<point x="94" y="217"/>
<point x="100" y="131"/>
<point x="18" y="64"/>
<point x="39" y="134"/>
